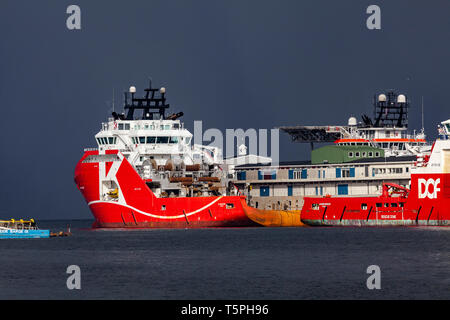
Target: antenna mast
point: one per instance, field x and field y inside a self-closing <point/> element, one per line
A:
<point x="422" y="116"/>
<point x="113" y="100"/>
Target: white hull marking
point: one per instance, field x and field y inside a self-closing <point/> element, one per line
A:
<point x="157" y="216"/>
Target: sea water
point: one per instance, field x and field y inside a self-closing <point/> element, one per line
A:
<point x="228" y="263"/>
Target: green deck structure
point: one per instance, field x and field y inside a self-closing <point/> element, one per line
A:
<point x="342" y="154"/>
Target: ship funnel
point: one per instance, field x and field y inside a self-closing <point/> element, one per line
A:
<point x="382" y="98"/>
<point x="401" y="98"/>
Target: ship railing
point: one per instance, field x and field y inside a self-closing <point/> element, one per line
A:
<point x="166" y="174"/>
<point x="25" y="225"/>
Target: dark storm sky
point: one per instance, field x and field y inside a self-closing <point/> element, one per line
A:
<point x="233" y="64"/>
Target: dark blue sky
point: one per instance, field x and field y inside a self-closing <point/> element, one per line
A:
<point x="232" y="64"/>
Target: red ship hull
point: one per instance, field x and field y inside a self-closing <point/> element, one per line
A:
<point x="428" y="203"/>
<point x="138" y="207"/>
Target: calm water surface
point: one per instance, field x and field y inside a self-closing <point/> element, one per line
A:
<point x="244" y="263"/>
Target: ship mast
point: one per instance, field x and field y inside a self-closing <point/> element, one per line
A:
<point x="423" y="129"/>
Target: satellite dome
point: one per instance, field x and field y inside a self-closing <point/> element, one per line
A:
<point x="132" y="89"/>
<point x="162" y="90"/>
<point x="401" y="98"/>
<point x="382" y="97"/>
<point x="352" y="121"/>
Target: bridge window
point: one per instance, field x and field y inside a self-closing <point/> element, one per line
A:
<point x="241" y="175"/>
<point x="142" y="140"/>
<point x="264" y="191"/>
<point x="151" y="140"/>
<point x="120" y="126"/>
<point x="162" y="139"/>
<point x="342" y="189"/>
<point x="173" y="140"/>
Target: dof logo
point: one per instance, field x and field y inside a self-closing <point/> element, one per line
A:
<point x="426" y="191"/>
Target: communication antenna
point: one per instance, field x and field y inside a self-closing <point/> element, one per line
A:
<point x="113" y="100"/>
<point x="422" y="116"/>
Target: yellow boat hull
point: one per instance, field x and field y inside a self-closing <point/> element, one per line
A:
<point x="274" y="218"/>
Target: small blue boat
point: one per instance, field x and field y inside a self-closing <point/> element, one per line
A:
<point x="21" y="229"/>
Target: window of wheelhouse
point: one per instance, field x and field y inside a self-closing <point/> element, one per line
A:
<point x="173" y="140"/>
<point x="162" y="139"/>
<point x="151" y="140"/>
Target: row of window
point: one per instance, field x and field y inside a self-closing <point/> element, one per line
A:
<point x="393" y="145"/>
<point x="363" y="154"/>
<point x="298" y="174"/>
<point x="108" y="140"/>
<point x="264" y="191"/>
<point x="295" y="174"/>
<point x="126" y="126"/>
<point x="376" y="171"/>
<point x="153" y="140"/>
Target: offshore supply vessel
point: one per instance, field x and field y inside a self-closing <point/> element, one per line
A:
<point x="146" y="174"/>
<point x="425" y="202"/>
<point x="358" y="159"/>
